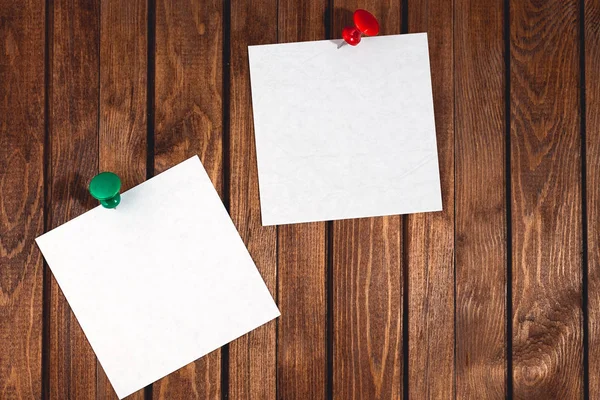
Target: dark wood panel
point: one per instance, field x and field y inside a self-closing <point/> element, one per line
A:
<point x="592" y="124"/>
<point x="22" y="197"/>
<point x="188" y="121"/>
<point x="252" y="358"/>
<point x="430" y="241"/>
<point x="302" y="261"/>
<point x="367" y="276"/>
<point x="480" y="200"/>
<point x="73" y="125"/>
<point x="546" y="200"/>
<point x="122" y="132"/>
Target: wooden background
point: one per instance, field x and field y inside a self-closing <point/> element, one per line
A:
<point x="497" y="296"/>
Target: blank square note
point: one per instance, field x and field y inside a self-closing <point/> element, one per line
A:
<point x="344" y="133"/>
<point x="161" y="280"/>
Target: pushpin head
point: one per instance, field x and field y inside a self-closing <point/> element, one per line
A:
<point x="366" y="22"/>
<point x="105" y="187"/>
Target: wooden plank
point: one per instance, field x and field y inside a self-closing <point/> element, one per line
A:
<point x="301" y="339"/>
<point x="592" y="124"/>
<point x="430" y="237"/>
<point x="367" y="276"/>
<point x="122" y="141"/>
<point x="73" y="125"/>
<point x="480" y="207"/>
<point x="302" y="260"/>
<point x="546" y="200"/>
<point x="123" y="53"/>
<point x="252" y="358"/>
<point x="22" y="198"/>
<point x="367" y="309"/>
<point x="189" y="122"/>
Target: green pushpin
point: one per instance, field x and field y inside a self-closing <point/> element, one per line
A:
<point x="105" y="188"/>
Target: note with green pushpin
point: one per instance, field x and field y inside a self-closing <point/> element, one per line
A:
<point x="159" y="281"/>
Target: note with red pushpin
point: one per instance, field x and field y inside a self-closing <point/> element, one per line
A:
<point x="345" y="131"/>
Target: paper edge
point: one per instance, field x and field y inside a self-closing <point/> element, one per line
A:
<point x="364" y="38"/>
<point x="123" y="193"/>
<point x="345" y="218"/>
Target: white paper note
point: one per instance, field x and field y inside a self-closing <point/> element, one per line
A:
<point x="344" y="133"/>
<point x="161" y="280"/>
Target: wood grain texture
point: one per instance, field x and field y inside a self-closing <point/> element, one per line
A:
<point x="430" y="242"/>
<point x="592" y="118"/>
<point x="189" y="121"/>
<point x="480" y="248"/>
<point x="252" y="358"/>
<point x="367" y="309"/>
<point x="301" y="339"/>
<point x="122" y="131"/>
<point x="21" y="197"/>
<point x="97" y="120"/>
<point x="546" y="200"/>
<point x="123" y="54"/>
<point x="302" y="260"/>
<point x="367" y="276"/>
<point x="73" y="157"/>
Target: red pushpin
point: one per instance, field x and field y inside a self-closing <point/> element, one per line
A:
<point x="365" y="23"/>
